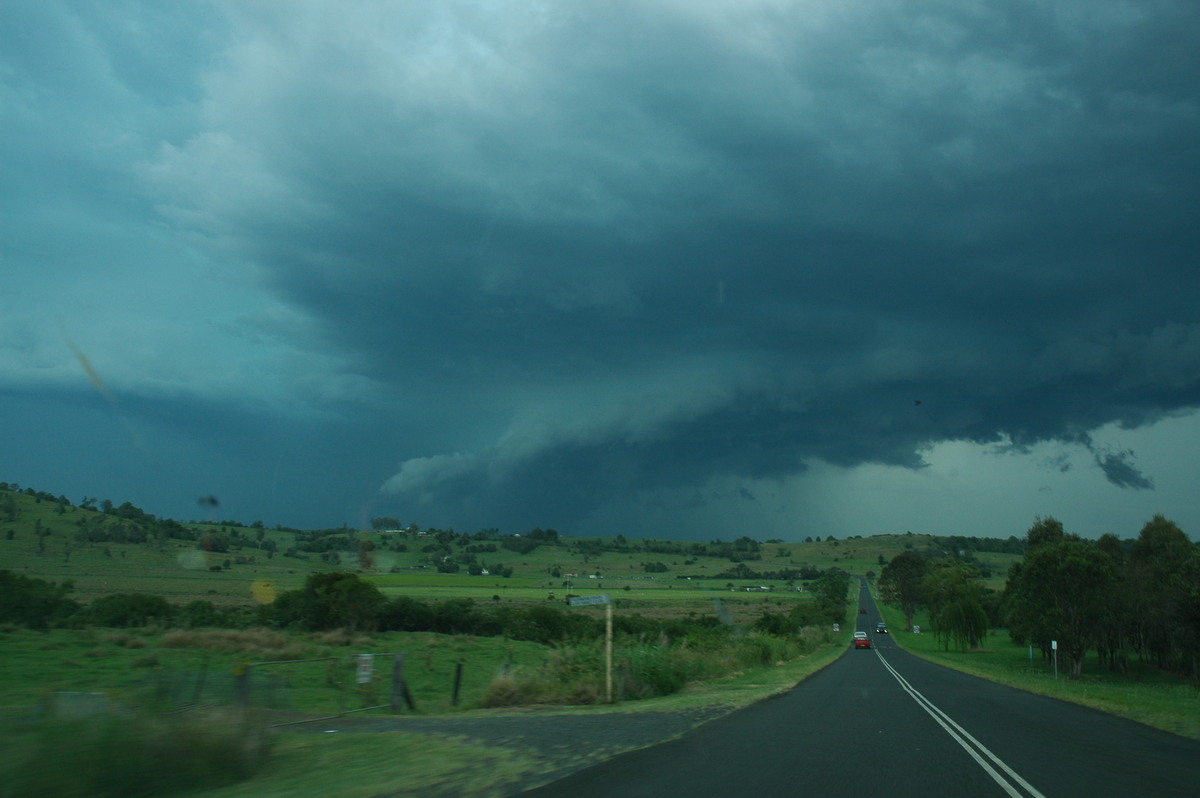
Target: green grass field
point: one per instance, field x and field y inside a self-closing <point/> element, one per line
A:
<point x="41" y="539"/>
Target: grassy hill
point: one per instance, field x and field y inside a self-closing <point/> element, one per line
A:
<point x="103" y="549"/>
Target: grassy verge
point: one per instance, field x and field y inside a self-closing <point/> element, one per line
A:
<point x="388" y="763"/>
<point x="149" y="666"/>
<point x="128" y="669"/>
<point x="1159" y="700"/>
<point x="415" y="765"/>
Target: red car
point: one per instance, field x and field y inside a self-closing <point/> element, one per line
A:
<point x="861" y="640"/>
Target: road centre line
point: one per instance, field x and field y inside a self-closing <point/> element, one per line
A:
<point x="961" y="736"/>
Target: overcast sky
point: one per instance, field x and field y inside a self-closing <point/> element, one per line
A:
<point x="669" y="268"/>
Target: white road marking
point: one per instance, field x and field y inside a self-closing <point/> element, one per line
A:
<point x="961" y="736"/>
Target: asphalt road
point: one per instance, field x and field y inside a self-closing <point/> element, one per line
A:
<point x="881" y="722"/>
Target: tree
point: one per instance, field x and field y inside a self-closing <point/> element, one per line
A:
<point x="1044" y="530"/>
<point x="130" y="609"/>
<point x="900" y="583"/>
<point x="955" y="600"/>
<point x="199" y="613"/>
<point x="34" y="603"/>
<point x="213" y="541"/>
<point x="831" y="591"/>
<point x="405" y="614"/>
<point x="330" y="600"/>
<point x="1062" y="591"/>
<point x="1161" y="576"/>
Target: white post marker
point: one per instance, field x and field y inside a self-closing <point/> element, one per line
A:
<point x="606" y="600"/>
<point x="365" y="662"/>
<point x="1054" y="648"/>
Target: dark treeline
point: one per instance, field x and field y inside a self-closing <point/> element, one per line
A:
<point x="1133" y="602"/>
<point x="341" y="600"/>
<point x="744" y="548"/>
<point x="1136" y="603"/>
<point x="830" y="589"/>
<point x="785" y="574"/>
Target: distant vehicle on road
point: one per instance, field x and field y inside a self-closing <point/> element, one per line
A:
<point x="861" y="640"/>
<point x="862" y="610"/>
<point x="881" y="628"/>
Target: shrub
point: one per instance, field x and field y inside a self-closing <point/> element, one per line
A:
<point x="123" y="610"/>
<point x="652" y="670"/>
<point x="34" y="602"/>
<point x="573" y="675"/>
<point x="509" y="691"/>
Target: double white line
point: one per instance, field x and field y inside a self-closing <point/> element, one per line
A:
<point x="972" y="746"/>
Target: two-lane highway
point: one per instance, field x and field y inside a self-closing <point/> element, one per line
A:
<point x="882" y="722"/>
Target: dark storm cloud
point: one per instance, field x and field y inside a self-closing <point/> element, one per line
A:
<point x="659" y="244"/>
<point x="1120" y="471"/>
<point x="581" y="254"/>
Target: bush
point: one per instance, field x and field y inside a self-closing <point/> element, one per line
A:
<point x="652" y="670"/>
<point x="572" y="675"/>
<point x="34" y="603"/>
<point x="329" y="600"/>
<point x="123" y="610"/>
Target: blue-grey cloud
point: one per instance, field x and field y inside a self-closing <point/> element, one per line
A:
<point x="1119" y="469"/>
<point x="543" y="258"/>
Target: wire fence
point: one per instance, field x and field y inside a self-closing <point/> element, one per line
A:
<point x="317" y="688"/>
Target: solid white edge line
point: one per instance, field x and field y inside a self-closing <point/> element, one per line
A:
<point x="958" y="733"/>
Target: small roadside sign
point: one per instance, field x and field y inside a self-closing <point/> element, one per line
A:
<point x="364" y="668"/>
<point x="585" y="601"/>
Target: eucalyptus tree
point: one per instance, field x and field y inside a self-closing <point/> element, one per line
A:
<point x="1061" y="592"/>
<point x="900" y="583"/>
<point x="1163" y="571"/>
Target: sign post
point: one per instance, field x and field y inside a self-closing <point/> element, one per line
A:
<point x="1054" y="648"/>
<point x="606" y="600"/>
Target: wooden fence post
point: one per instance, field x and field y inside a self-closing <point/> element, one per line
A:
<point x="400" y="686"/>
<point x="242" y="685"/>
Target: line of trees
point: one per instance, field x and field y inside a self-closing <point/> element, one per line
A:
<point x="1130" y="601"/>
<point x="960" y="608"/>
<point x="341" y="600"/>
<point x="39" y="604"/>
